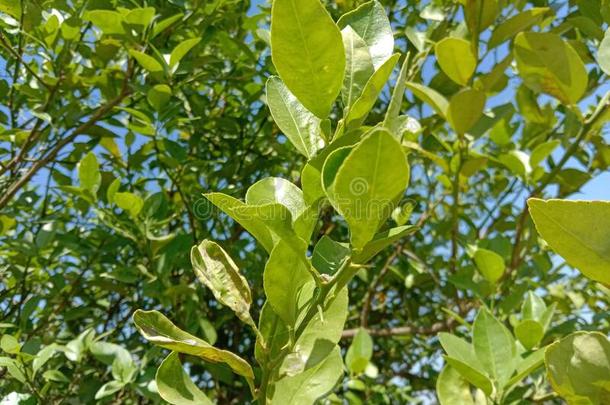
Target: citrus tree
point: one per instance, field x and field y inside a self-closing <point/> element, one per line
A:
<point x="300" y="202"/>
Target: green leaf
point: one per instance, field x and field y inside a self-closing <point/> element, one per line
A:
<point x="392" y="115"/>
<point x="371" y="23"/>
<point x="603" y="53"/>
<point x="175" y="386"/>
<point x="13" y="369"/>
<point x="461" y="350"/>
<point x="109" y="388"/>
<point x="156" y="328"/>
<point x="304" y="388"/>
<point x="129" y="202"/>
<point x="465" y="109"/>
<point x="328" y="255"/>
<point x="359" y="352"/>
<point x="112" y="190"/>
<point x="431" y="97"/>
<point x="472" y="375"/>
<point x="158" y="96"/>
<point x="165" y="23"/>
<point x="140" y="16"/>
<point x="181" y="50"/>
<point x="526" y="366"/>
<point x="89" y="173"/>
<point x="381" y="241"/>
<point x="300" y="126"/>
<point x="320" y="335"/>
<point x="358" y="66"/>
<point x="550" y="65"/>
<point x="43" y="356"/>
<point x="529" y="332"/>
<point x="516" y="24"/>
<point x="533" y="307"/>
<point x="542" y="151"/>
<point x="455" y="57"/>
<point x="11" y="7"/>
<point x="578" y="368"/>
<point x="363" y="105"/>
<point x="284" y="276"/>
<point x="452" y="388"/>
<point x="147" y="62"/>
<point x="233" y="208"/>
<point x="490" y="264"/>
<point x="307" y="52"/>
<point x="370" y="179"/>
<point x="10" y="344"/>
<point x="494" y="346"/>
<point x="579" y="231"/>
<point x="110" y="22"/>
<point x="219" y="273"/>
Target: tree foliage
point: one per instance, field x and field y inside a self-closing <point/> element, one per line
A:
<point x="300" y="201"/>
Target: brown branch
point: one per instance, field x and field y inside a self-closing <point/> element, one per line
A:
<point x="405" y="330"/>
<point x="368" y="298"/>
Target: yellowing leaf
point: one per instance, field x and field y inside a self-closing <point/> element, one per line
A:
<point x="219" y="273"/>
<point x="578" y="368"/>
<point x="455" y="57"/>
<point x="550" y="65"/>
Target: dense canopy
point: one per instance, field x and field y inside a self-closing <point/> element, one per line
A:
<point x="292" y="201"/>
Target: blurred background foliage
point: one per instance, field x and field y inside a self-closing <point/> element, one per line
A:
<point x="167" y="99"/>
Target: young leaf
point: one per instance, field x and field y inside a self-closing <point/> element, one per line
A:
<point x="219" y="273"/>
<point x="140" y="16"/>
<point x="490" y="264"/>
<point x="371" y="23"/>
<point x="110" y="22"/>
<point x="578" y="367"/>
<point x="516" y="24"/>
<point x="158" y="96"/>
<point x="363" y="105"/>
<point x="542" y="151"/>
<point x="284" y="277"/>
<point x="307" y="52"/>
<point x="368" y="182"/>
<point x="452" y="388"/>
<point x="431" y="97"/>
<point x="89" y="173"/>
<point x="175" y="386"/>
<point x="474" y="376"/>
<point x="550" y="65"/>
<point x="156" y="328"/>
<point x="465" y="109"/>
<point x="358" y="66"/>
<point x="300" y="126"/>
<point x="455" y="57"/>
<point x="398" y="94"/>
<point x="359" y="352"/>
<point x="579" y="231"/>
<point x="181" y="50"/>
<point x="129" y="202"/>
<point x="526" y="366"/>
<point x="494" y="346"/>
<point x="147" y="62"/>
<point x="529" y="333"/>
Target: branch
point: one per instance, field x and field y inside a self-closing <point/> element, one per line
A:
<point x="83" y="128"/>
<point x="404" y="330"/>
